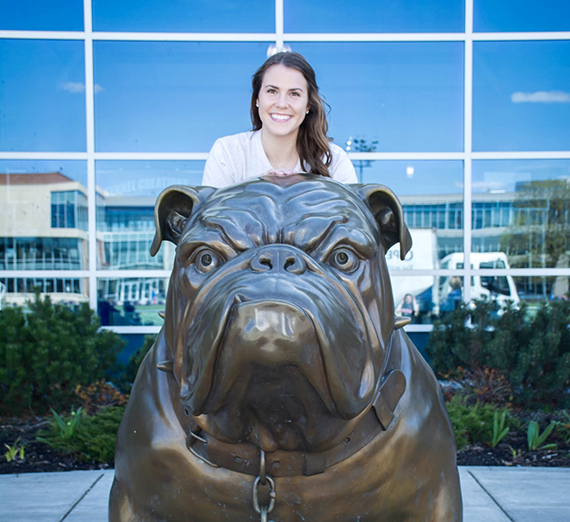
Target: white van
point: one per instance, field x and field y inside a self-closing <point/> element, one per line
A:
<point x="495" y="288"/>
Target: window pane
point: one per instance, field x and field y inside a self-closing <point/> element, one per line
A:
<point x="521" y="212"/>
<point x="131" y="301"/>
<point x="43" y="215"/>
<point x="521" y="96"/>
<point x="535" y="290"/>
<point x="42" y="96"/>
<point x="431" y="193"/>
<point x="61" y="289"/>
<point x="39" y="15"/>
<point x="245" y="16"/>
<point x="441" y="295"/>
<point x="521" y="15"/>
<point x="172" y="97"/>
<point x="407" y="96"/>
<point x="127" y="191"/>
<point x="371" y="16"/>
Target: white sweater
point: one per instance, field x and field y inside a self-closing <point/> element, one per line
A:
<point x="241" y="156"/>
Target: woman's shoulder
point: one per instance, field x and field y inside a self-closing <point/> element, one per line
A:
<point x="236" y="140"/>
<point x="341" y="168"/>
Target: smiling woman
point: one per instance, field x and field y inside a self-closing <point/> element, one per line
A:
<point x="289" y="130"/>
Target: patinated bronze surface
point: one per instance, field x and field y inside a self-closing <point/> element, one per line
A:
<point x="281" y="387"/>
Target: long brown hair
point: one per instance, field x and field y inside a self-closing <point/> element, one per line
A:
<point x="313" y="145"/>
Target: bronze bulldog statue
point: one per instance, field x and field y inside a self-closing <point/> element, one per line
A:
<point x="281" y="387"/>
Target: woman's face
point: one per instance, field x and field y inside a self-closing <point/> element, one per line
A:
<point x="283" y="101"/>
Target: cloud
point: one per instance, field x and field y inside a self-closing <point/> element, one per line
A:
<point x="541" y="97"/>
<point x="78" y="87"/>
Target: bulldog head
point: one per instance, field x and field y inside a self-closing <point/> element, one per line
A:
<point x="280" y="308"/>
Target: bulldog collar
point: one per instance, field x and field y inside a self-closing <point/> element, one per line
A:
<point x="249" y="459"/>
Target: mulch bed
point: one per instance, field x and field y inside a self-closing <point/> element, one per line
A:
<point x="40" y="457"/>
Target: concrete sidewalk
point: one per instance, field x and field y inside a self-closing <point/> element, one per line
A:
<point x="490" y="494"/>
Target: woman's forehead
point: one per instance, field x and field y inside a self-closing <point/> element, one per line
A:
<point x="280" y="75"/>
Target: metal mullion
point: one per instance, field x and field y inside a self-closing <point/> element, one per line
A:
<point x="467" y="147"/>
<point x="406" y="155"/>
<point x="279" y="21"/>
<point x="42" y="35"/>
<point x="184" y="37"/>
<point x="57" y="274"/>
<point x="43" y="155"/>
<point x="373" y="37"/>
<point x="521" y="36"/>
<point x="184" y="156"/>
<point x="90" y="135"/>
<point x="561" y="154"/>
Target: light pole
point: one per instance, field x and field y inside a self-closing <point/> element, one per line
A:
<point x="360" y="145"/>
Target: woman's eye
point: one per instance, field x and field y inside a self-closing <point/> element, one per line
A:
<point x="207" y="260"/>
<point x="344" y="259"/>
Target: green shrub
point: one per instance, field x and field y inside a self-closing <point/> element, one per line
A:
<point x="47" y="351"/>
<point x="93" y="439"/>
<point x="472" y="424"/>
<point x="533" y="354"/>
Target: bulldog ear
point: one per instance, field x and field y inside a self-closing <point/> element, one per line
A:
<point x="389" y="215"/>
<point x="172" y="209"/>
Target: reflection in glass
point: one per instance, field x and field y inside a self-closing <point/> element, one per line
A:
<point x="522" y="208"/>
<point x="61" y="289"/>
<point x="371" y="16"/>
<point x="127" y="191"/>
<point x="42" y="96"/>
<point x="521" y="15"/>
<point x="172" y="96"/>
<point x="43" y="216"/>
<point x="39" y="15"/>
<point x="514" y="110"/>
<point x="245" y="16"/>
<point x="131" y="301"/>
<point x="439" y="296"/>
<point x="533" y="290"/>
<point x="431" y="193"/>
<point x="408" y="96"/>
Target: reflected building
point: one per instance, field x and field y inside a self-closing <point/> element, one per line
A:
<point x="43" y="227"/>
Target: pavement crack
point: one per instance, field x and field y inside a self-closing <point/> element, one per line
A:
<point x="83" y="496"/>
<point x="492" y="497"/>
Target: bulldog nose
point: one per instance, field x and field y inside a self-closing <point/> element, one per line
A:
<point x="280" y="260"/>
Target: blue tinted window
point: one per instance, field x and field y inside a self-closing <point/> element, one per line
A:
<point x="37" y="200"/>
<point x="39" y="15"/>
<point x="372" y="16"/>
<point x="522" y="208"/>
<point x="521" y="15"/>
<point x="407" y="96"/>
<point x="125" y="209"/>
<point x="245" y="16"/>
<point x="42" y="95"/>
<point x="521" y="96"/>
<point x="172" y="97"/>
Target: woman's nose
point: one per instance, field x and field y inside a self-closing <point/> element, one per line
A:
<point x="281" y="100"/>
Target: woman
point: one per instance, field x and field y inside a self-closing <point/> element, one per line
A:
<point x="289" y="130"/>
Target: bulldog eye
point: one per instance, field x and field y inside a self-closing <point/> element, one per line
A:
<point x="207" y="260"/>
<point x="344" y="259"/>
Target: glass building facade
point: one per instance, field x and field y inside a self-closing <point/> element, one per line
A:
<point x="462" y="107"/>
